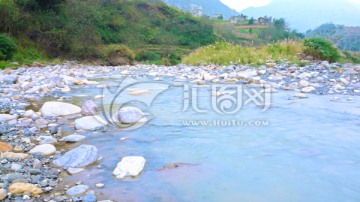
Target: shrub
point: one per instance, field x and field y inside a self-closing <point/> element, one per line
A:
<point x="7" y="47"/>
<point x="147" y="56"/>
<point x="117" y="54"/>
<point x="321" y="49"/>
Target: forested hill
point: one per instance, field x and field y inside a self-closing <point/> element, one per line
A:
<point x="344" y="37"/>
<point x="209" y="7"/>
<point x="85" y="29"/>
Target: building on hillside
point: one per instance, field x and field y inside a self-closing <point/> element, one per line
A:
<point x="263" y="20"/>
<point x="238" y="18"/>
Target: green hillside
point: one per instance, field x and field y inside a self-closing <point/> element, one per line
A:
<point x="97" y="29"/>
<point x="344" y="37"/>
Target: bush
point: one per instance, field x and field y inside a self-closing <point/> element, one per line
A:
<point x="148" y="56"/>
<point x="321" y="49"/>
<point x="7" y="47"/>
<point x="117" y="54"/>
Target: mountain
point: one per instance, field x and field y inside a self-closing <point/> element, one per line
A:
<point x="344" y="37"/>
<point x="209" y="7"/>
<point x="308" y="14"/>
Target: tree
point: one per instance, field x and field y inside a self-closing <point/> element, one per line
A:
<point x="9" y="15"/>
<point x="251" y="21"/>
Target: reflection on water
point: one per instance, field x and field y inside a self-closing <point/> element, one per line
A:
<point x="309" y="152"/>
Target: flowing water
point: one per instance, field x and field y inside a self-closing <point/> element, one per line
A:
<point x="308" y="150"/>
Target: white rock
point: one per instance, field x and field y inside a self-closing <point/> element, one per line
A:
<point x="59" y="109"/>
<point x="46" y="140"/>
<point x="6" y="117"/>
<point x="44" y="149"/>
<point x="100" y="185"/>
<point x="303" y="83"/>
<point x="3" y="194"/>
<point x="130" y="115"/>
<point x="130" y="166"/>
<point x="308" y="89"/>
<point x="72" y="138"/>
<point x="301" y="96"/>
<point x="90" y="123"/>
<point x="344" y="81"/>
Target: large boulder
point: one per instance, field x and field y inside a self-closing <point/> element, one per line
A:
<point x="79" y="157"/>
<point x="130" y="166"/>
<point x="90" y="123"/>
<point x="130" y="115"/>
<point x="59" y="109"/>
<point x="22" y="188"/>
<point x="89" y="108"/>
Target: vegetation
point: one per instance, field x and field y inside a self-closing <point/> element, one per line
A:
<point x="248" y="33"/>
<point x="321" y="49"/>
<point x="7" y="48"/>
<point x="344" y="37"/>
<point x="224" y="54"/>
<point x="77" y="29"/>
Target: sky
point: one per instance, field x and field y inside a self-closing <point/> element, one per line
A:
<point x="242" y="4"/>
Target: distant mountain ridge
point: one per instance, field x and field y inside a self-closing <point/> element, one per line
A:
<point x="308" y="14"/>
<point x="344" y="37"/>
<point x="210" y="7"/>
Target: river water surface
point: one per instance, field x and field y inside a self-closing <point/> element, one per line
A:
<point x="305" y="150"/>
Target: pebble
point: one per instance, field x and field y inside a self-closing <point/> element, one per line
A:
<point x="77" y="190"/>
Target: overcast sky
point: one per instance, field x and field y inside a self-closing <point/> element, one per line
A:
<point x="242" y="4"/>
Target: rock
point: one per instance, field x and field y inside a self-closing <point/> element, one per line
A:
<point x="46" y="140"/>
<point x="44" y="149"/>
<point x="15" y="167"/>
<point x="53" y="128"/>
<point x="79" y="157"/>
<point x="139" y="92"/>
<point x="303" y="83"/>
<point x="308" y="89"/>
<point x="10" y="79"/>
<point x="130" y="166"/>
<point x="89" y="108"/>
<point x="325" y="64"/>
<point x="6" y="117"/>
<point x="90" y="123"/>
<point x="175" y="165"/>
<point x="11" y="155"/>
<point x="301" y="96"/>
<point x="73" y="138"/>
<point x="5" y="147"/>
<point x="23" y="188"/>
<point x="90" y="197"/>
<point x="77" y="190"/>
<point x="100" y="185"/>
<point x="344" y="81"/>
<point x="3" y="194"/>
<point x="59" y="109"/>
<point x="72" y="171"/>
<point x="130" y="115"/>
<point x="29" y="113"/>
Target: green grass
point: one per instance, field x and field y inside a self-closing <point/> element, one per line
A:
<point x="225" y="54"/>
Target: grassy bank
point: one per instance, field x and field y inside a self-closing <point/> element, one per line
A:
<point x="224" y="54"/>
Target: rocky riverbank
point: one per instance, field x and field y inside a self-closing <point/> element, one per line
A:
<point x="33" y="161"/>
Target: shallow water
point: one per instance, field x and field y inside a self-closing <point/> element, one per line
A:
<point x="309" y="151"/>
